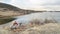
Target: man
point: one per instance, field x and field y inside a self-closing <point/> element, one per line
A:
<point x="15" y="25"/>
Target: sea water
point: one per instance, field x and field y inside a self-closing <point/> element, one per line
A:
<point x="40" y="16"/>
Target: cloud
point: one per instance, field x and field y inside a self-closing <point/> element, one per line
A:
<point x="5" y="1"/>
<point x="1" y="0"/>
<point x="52" y="2"/>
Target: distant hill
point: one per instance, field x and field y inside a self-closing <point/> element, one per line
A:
<point x="13" y="10"/>
<point x="10" y="7"/>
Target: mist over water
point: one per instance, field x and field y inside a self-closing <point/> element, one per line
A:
<point x="40" y="16"/>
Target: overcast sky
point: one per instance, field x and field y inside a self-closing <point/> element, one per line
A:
<point x="35" y="4"/>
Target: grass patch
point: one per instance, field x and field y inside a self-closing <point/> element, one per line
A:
<point x="5" y="20"/>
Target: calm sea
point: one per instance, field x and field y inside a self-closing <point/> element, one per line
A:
<point x="40" y="16"/>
